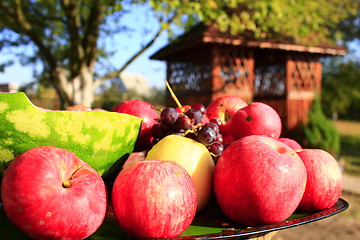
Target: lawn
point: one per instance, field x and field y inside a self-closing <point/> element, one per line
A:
<point x="348" y="128"/>
<point x="350" y="146"/>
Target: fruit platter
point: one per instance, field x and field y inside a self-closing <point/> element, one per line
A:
<point x="206" y="225"/>
<point x="221" y="171"/>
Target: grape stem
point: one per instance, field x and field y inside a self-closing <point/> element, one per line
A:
<point x="189" y="131"/>
<point x="173" y="94"/>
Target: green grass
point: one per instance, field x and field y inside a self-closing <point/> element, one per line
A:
<point x="350" y="154"/>
<point x="350" y="145"/>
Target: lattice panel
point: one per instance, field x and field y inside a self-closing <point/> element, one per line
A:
<point x="270" y="80"/>
<point x="304" y="73"/>
<point x="235" y="67"/>
<point x="185" y="76"/>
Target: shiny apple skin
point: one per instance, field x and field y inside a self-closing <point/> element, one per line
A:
<point x="154" y="199"/>
<point x="324" y="180"/>
<point x="224" y="108"/>
<point x="144" y="110"/>
<point x="291" y="143"/>
<point x="259" y="180"/>
<point x="193" y="157"/>
<point x="35" y="200"/>
<point x="256" y="119"/>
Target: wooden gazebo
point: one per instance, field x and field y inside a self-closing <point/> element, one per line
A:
<point x="204" y="64"/>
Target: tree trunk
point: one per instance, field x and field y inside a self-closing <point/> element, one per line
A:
<point x="83" y="87"/>
<point x="76" y="91"/>
<point x="335" y="115"/>
<point x="87" y="88"/>
<point x="62" y="87"/>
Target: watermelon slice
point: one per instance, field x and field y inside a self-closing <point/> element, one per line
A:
<point x="98" y="138"/>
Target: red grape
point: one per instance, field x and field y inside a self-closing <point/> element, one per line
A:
<point x="206" y="135"/>
<point x="200" y="107"/>
<point x="214" y="126"/>
<point x="216" y="148"/>
<point x="169" y="116"/>
<point x="217" y="121"/>
<point x="187" y="121"/>
<point x="183" y="123"/>
<point x="194" y="114"/>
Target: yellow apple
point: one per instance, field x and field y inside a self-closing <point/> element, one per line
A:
<point x="193" y="157"/>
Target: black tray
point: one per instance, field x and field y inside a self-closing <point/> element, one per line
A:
<point x="208" y="224"/>
<point x="233" y="231"/>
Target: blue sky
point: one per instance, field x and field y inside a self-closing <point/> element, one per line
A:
<point x="153" y="70"/>
<point x="125" y="46"/>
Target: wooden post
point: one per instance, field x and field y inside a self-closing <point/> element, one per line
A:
<point x="216" y="81"/>
<point x="251" y="73"/>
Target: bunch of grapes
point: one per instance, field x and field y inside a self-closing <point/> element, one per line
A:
<point x="188" y="122"/>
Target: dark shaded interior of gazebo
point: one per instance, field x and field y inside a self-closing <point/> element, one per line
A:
<point x="204" y="64"/>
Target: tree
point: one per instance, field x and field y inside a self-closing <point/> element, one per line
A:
<point x="341" y="88"/>
<point x="319" y="132"/>
<point x="350" y="27"/>
<point x="66" y="34"/>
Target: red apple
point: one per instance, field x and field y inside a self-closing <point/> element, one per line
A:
<point x="224" y="108"/>
<point x="324" y="180"/>
<point x="183" y="108"/>
<point x="226" y="133"/>
<point x="256" y="119"/>
<point x="259" y="180"/>
<point x="194" y="157"/>
<point x="78" y="108"/>
<point x="134" y="157"/>
<point x="144" y="110"/>
<point x="49" y="193"/>
<point x="99" y="110"/>
<point x="84" y="108"/>
<point x="44" y="109"/>
<point x="154" y="199"/>
<point x="291" y="143"/>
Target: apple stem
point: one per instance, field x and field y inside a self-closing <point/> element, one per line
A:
<point x="173" y="94"/>
<point x="66" y="184"/>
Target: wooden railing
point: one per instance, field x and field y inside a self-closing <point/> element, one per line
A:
<point x="50" y="101"/>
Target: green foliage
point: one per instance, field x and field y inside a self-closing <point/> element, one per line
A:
<point x="320" y="132"/>
<point x="351" y="27"/>
<point x="69" y="38"/>
<point x="350" y="146"/>
<point x="341" y="89"/>
<point x="157" y="97"/>
<point x="350" y="155"/>
<point x="299" y="21"/>
<point x="111" y="96"/>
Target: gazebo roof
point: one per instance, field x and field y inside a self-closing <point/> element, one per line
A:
<point x="202" y="34"/>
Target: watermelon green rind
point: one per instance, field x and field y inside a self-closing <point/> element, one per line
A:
<point x="98" y="138"/>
